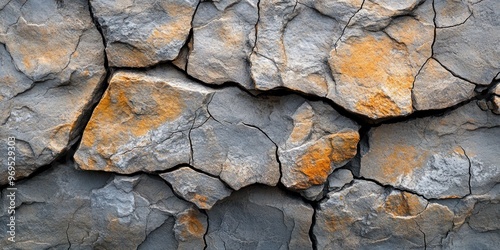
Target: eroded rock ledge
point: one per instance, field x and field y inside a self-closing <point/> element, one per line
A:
<point x="231" y="124"/>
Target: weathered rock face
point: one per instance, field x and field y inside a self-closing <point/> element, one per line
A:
<point x="250" y="124"/>
<point x="260" y="218"/>
<point x="51" y="60"/>
<point x="67" y="208"/>
<point x="444" y="157"/>
<point x="163" y="114"/>
<point x="140" y="34"/>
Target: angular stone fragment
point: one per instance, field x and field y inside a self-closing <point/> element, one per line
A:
<point x="140" y="34"/>
<point x="158" y="119"/>
<point x="202" y="190"/>
<point x="223" y="38"/>
<point x="292" y="45"/>
<point x="260" y="218"/>
<point x="366" y="215"/>
<point x="451" y="13"/>
<point x="469" y="48"/>
<point x="374" y="69"/>
<point x="143" y="122"/>
<point x="438" y="157"/>
<point x="52" y="66"/>
<point x="338" y="179"/>
<point x="436" y="88"/>
<point x="66" y="208"/>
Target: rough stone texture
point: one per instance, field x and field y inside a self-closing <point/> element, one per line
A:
<point x="250" y="124"/>
<point x="222" y="42"/>
<point x="66" y="208"/>
<point x="143" y="33"/>
<point x="178" y="121"/>
<point x="260" y="218"/>
<point x="468" y="47"/>
<point x="198" y="188"/>
<point x="365" y="214"/>
<point x="437" y="88"/>
<point x="51" y="70"/>
<point x="441" y="157"/>
<point x="378" y="57"/>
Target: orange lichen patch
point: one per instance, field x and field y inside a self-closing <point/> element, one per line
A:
<point x="315" y="164"/>
<point x="345" y="146"/>
<point x="231" y="37"/>
<point x="200" y="200"/>
<point x="338" y="222"/>
<point x="374" y="61"/>
<point x="302" y="124"/>
<point x="401" y="161"/>
<point x="319" y="82"/>
<point x="176" y="29"/>
<point x="123" y="113"/>
<point x="190" y="225"/>
<point x="403" y="204"/>
<point x="127" y="55"/>
<point x="378" y="105"/>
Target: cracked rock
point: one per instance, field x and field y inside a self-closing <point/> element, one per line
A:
<point x="469" y="48"/>
<point x="260" y="217"/>
<point x="63" y="207"/>
<point x="202" y="190"/>
<point x="52" y="67"/>
<point x="158" y="119"/>
<point x="143" y="33"/>
<point x="438" y="157"/>
<point x="223" y="38"/>
<point x="366" y="215"/>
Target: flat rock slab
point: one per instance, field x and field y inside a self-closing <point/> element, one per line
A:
<point x="52" y="67"/>
<point x="366" y="215"/>
<point x="146" y="33"/>
<point x="260" y="217"/>
<point x="440" y="157"/>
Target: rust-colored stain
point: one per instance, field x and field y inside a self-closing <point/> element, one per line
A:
<point x="402" y="161"/>
<point x="119" y="117"/>
<point x="191" y="225"/>
<point x="378" y="105"/>
<point x="302" y="124"/>
<point x="200" y="200"/>
<point x="345" y="146"/>
<point x="127" y="55"/>
<point x="319" y="82"/>
<point x="338" y="222"/>
<point x="233" y="38"/>
<point x="380" y="67"/>
<point x="316" y="162"/>
<point x="176" y="29"/>
<point x="403" y="204"/>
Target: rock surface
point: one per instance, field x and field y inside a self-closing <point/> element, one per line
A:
<point x="67" y="208"/>
<point x="250" y="124"/>
<point x="260" y="218"/>
<point x="140" y="34"/>
<point x="178" y="121"/>
<point x="51" y="72"/>
<point x="442" y="157"/>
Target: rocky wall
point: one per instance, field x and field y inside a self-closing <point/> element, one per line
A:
<point x="250" y="124"/>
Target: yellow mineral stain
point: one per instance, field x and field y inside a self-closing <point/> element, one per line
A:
<point x="201" y="200"/>
<point x="117" y="118"/>
<point x="315" y="164"/>
<point x="402" y="160"/>
<point x="176" y="29"/>
<point x="345" y="146"/>
<point x="403" y="204"/>
<point x="378" y="105"/>
<point x="319" y="82"/>
<point x="192" y="225"/>
<point x="338" y="222"/>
